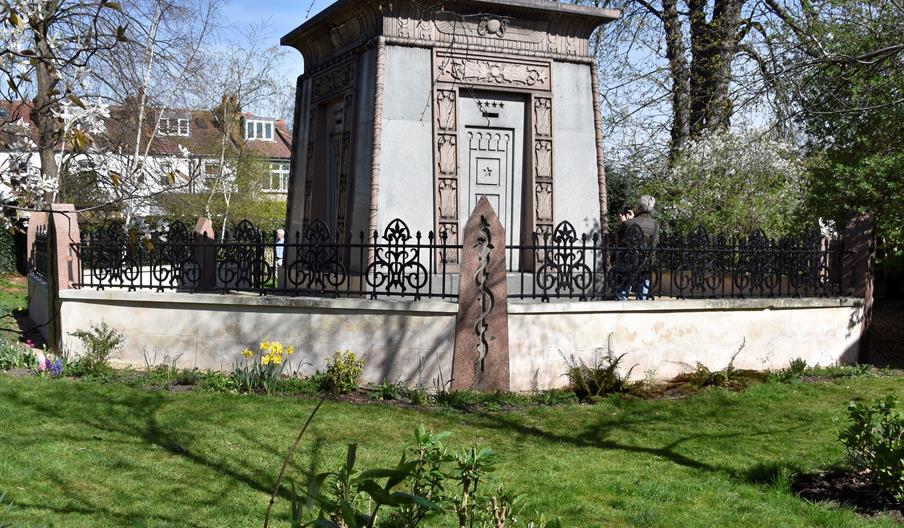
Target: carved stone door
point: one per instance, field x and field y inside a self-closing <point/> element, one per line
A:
<point x="325" y="204"/>
<point x="491" y="150"/>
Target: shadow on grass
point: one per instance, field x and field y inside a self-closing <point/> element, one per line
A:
<point x="135" y="415"/>
<point x="599" y="436"/>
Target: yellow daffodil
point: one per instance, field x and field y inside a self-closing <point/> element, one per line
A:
<point x="277" y="360"/>
<point x="277" y="347"/>
<point x="265" y="360"/>
<point x="265" y="345"/>
<point x="247" y="353"/>
<point x="290" y="350"/>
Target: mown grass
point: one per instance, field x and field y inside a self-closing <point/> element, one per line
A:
<point x="80" y="454"/>
<point x="13" y="297"/>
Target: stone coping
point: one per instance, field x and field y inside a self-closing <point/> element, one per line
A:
<point x="449" y="307"/>
<point x="682" y="305"/>
<point x="253" y="300"/>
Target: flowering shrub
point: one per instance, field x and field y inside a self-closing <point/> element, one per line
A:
<point x="260" y="371"/>
<point x="733" y="182"/>
<point x="12" y="356"/>
<point x="343" y="371"/>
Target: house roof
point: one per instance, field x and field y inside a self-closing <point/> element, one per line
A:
<point x="204" y="139"/>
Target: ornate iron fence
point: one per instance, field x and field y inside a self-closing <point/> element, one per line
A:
<point x="563" y="265"/>
<point x="397" y="263"/>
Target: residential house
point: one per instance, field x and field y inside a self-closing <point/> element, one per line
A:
<point x="178" y="152"/>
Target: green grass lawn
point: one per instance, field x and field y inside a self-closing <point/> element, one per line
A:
<point x="84" y="454"/>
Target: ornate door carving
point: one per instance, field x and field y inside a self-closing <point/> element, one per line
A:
<point x="491" y="151"/>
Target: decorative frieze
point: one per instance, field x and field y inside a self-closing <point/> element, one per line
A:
<point x="445" y="156"/>
<point x="333" y="81"/>
<point x="542" y="166"/>
<point x="495" y="72"/>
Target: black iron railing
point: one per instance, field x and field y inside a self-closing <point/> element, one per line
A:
<point x="563" y="265"/>
<point x="39" y="258"/>
<point x="396" y="263"/>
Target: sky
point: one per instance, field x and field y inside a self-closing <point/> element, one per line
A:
<point x="280" y="17"/>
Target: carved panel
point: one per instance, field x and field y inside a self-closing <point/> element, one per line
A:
<point x="334" y="81"/>
<point x="543" y="159"/>
<point x="447" y="155"/>
<point x="544" y="202"/>
<point x="445" y="110"/>
<point x="492" y="31"/>
<point x="542" y="168"/>
<point x="493" y="72"/>
<point x="448" y="199"/>
<point x="543" y="116"/>
<point x="309" y="168"/>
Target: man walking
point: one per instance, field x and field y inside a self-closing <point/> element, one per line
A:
<point x="645" y="226"/>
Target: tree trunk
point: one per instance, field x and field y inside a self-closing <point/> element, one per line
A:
<point x="713" y="47"/>
<point x="42" y="113"/>
<point x="676" y="55"/>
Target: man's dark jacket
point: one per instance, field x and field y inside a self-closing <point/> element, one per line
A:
<point x="647" y="225"/>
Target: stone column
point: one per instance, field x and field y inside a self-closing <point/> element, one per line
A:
<point x="205" y="253"/>
<point x="481" y="359"/>
<point x="858" y="270"/>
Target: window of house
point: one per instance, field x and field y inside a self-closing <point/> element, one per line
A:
<point x="278" y="180"/>
<point x="174" y="126"/>
<point x="4" y="113"/>
<point x="259" y="130"/>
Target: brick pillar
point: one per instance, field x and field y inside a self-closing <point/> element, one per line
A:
<point x="481" y="359"/>
<point x="205" y="253"/>
<point x="36" y="221"/>
<point x="65" y="268"/>
<point x="63" y="233"/>
<point x="858" y="270"/>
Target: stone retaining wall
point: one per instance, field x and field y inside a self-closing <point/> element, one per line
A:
<point x="413" y="341"/>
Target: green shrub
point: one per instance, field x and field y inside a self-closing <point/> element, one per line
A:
<point x="429" y="484"/>
<point x="343" y="371"/>
<point x="100" y="342"/>
<point x="302" y="386"/>
<point x="417" y="395"/>
<point x="217" y="382"/>
<point x="795" y="371"/>
<point x="601" y="377"/>
<point x="388" y="391"/>
<point x="875" y="443"/>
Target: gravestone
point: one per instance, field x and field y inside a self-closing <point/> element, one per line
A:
<point x="481" y="359"/>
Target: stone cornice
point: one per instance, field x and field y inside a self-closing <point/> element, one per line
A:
<point x="525" y="27"/>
